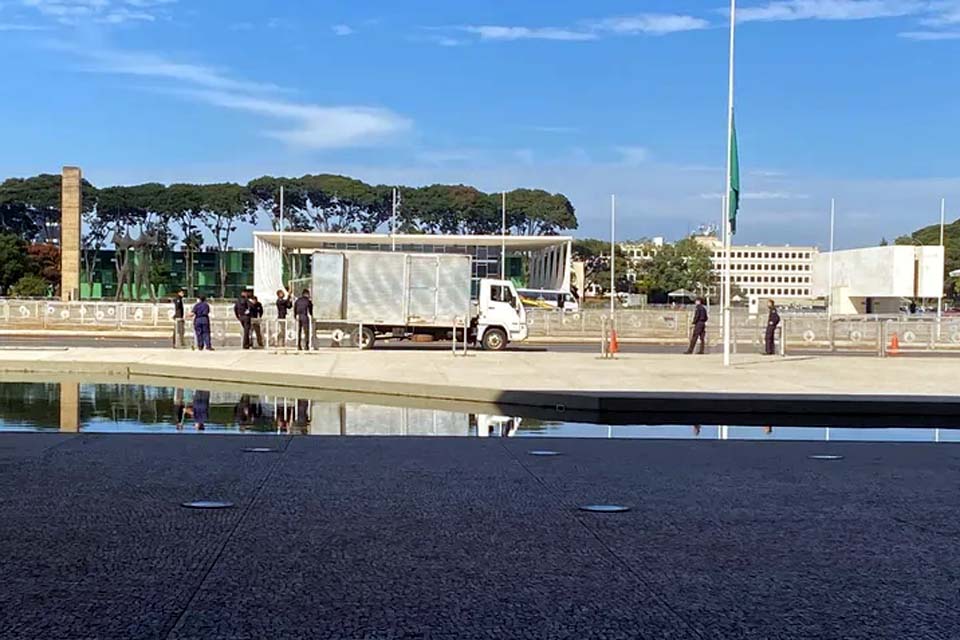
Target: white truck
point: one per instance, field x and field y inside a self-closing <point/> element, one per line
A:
<point x="419" y="296"/>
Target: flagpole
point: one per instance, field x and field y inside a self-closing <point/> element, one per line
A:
<point x="393" y="223"/>
<point x="503" y="238"/>
<point x="613" y="254"/>
<point x="726" y="189"/>
<point x="943" y="214"/>
<point x="723" y="241"/>
<point x="833" y="212"/>
<point x="281" y="236"/>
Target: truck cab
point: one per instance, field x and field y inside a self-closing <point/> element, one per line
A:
<point x="501" y="318"/>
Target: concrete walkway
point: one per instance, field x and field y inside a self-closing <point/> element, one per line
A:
<point x="361" y="538"/>
<point x="633" y="383"/>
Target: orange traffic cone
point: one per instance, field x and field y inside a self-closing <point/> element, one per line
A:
<point x="614" y="345"/>
<point x="894" y="348"/>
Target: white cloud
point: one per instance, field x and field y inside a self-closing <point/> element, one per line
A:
<point x="787" y="10"/>
<point x="342" y="30"/>
<point x="72" y="12"/>
<point x="314" y="126"/>
<point x="651" y="23"/>
<point x="930" y="36"/>
<point x="22" y="27"/>
<point x="495" y="32"/>
<point x="633" y="155"/>
<point x="549" y="129"/>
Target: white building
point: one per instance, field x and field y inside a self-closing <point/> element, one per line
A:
<point x="781" y="272"/>
<point x="879" y="279"/>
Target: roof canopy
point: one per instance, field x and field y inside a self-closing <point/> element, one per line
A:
<point x="305" y="240"/>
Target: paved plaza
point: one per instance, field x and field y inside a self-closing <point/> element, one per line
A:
<point x="462" y="538"/>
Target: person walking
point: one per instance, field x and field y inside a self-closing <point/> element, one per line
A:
<point x="773" y="320"/>
<point x="256" y="318"/>
<point x="699" y="327"/>
<point x="242" y="309"/>
<point x="178" y="318"/>
<point x="303" y="310"/>
<point x="201" y="323"/>
<point x="284" y="304"/>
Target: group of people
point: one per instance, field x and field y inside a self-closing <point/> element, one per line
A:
<point x="248" y="311"/>
<point x="700" y="319"/>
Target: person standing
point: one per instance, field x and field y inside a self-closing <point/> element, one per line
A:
<point x="242" y="309"/>
<point x="303" y="310"/>
<point x="256" y="318"/>
<point x="773" y="320"/>
<point x="178" y="320"/>
<point x="699" y="327"/>
<point x="284" y="304"/>
<point x="201" y="323"/>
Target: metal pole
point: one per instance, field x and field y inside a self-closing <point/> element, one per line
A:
<point x="503" y="240"/>
<point x="613" y="257"/>
<point x="833" y="213"/>
<point x="281" y="235"/>
<point x="943" y="213"/>
<point x="726" y="188"/>
<point x="393" y="223"/>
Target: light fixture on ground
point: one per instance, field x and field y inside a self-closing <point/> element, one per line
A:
<point x="260" y="450"/>
<point x="604" y="508"/>
<point x="543" y="452"/>
<point x="207" y="504"/>
<point x="824" y="456"/>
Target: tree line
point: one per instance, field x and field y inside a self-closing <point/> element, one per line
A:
<point x="188" y="214"/>
<point x="685" y="264"/>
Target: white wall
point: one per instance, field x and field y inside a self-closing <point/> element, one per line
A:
<point x="881" y="272"/>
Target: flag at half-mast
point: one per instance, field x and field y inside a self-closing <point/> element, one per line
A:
<point x="733" y="199"/>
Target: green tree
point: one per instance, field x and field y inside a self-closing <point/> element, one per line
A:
<point x="536" y="212"/>
<point x="225" y="206"/>
<point x="44" y="261"/>
<point x="14" y="263"/>
<point x="30" y="207"/>
<point x="31" y="286"/>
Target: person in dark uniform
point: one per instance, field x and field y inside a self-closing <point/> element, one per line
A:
<point x="242" y="310"/>
<point x="699" y="327"/>
<point x="303" y="310"/>
<point x="201" y="323"/>
<point x="773" y="320"/>
<point x="284" y="304"/>
<point x="178" y="320"/>
<point x="256" y="318"/>
<point x="179" y="408"/>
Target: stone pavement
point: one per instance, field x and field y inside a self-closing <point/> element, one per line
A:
<point x="354" y="538"/>
<point x="633" y="384"/>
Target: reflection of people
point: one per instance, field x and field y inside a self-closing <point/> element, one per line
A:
<point x="696" y="431"/>
<point x="201" y="408"/>
<point x="768" y="430"/>
<point x="773" y="319"/>
<point x="178" y="328"/>
<point x="302" y="417"/>
<point x="699" y="327"/>
<point x="283" y="305"/>
<point x="303" y="310"/>
<point x="256" y="317"/>
<point x="179" y="408"/>
<point x="201" y="323"/>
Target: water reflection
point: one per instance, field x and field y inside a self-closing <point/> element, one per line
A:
<point x="72" y="407"/>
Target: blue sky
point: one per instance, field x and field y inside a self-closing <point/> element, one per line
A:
<point x="852" y="99"/>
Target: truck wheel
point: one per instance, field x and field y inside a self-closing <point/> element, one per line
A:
<point x="367" y="338"/>
<point x="494" y="340"/>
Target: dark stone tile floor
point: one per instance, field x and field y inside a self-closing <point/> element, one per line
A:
<point x="469" y="538"/>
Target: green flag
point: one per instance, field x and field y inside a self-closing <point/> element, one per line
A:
<point x="733" y="201"/>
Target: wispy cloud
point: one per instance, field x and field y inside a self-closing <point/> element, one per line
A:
<point x="761" y="195"/>
<point x="497" y="32"/>
<point x="633" y="154"/>
<point x="300" y="124"/>
<point x="23" y="27"/>
<point x="342" y="30"/>
<point x="549" y="129"/>
<point x="646" y="23"/>
<point x="788" y="10"/>
<point x="930" y="36"/>
<point x="73" y="12"/>
<point x="650" y="23"/>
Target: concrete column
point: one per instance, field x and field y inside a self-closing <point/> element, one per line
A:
<point x="69" y="407"/>
<point x="70" y="206"/>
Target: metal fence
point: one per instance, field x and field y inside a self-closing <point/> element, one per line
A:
<point x="801" y="332"/>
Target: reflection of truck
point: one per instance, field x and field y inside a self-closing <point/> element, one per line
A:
<point x="400" y="296"/>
